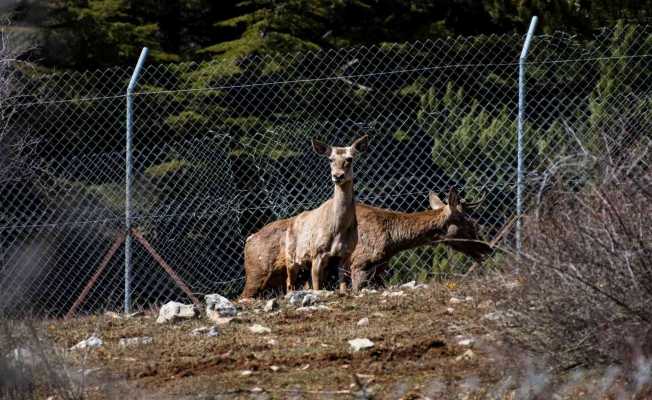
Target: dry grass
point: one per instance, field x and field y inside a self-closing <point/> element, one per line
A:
<point x="417" y="354"/>
<point x="414" y="340"/>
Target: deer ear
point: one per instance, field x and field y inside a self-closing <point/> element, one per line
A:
<point x="361" y="144"/>
<point x="435" y="202"/>
<point x="453" y="199"/>
<point x="321" y="148"/>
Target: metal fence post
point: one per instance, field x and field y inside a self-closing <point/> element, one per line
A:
<point x="520" y="172"/>
<point x="129" y="176"/>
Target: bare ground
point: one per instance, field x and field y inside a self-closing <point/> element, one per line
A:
<point x="416" y="351"/>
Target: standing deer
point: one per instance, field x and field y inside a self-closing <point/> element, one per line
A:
<point x="316" y="238"/>
<point x="382" y="234"/>
<point x="385" y="233"/>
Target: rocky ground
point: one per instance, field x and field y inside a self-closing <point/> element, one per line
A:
<point x="435" y="341"/>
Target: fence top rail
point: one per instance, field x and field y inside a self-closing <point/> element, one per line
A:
<point x="219" y="74"/>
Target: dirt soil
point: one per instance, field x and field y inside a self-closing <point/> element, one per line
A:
<point x="445" y="341"/>
<point x="416" y="353"/>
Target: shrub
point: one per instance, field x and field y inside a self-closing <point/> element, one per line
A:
<point x="586" y="265"/>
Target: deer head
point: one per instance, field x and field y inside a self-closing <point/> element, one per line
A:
<point x="461" y="231"/>
<point x="341" y="158"/>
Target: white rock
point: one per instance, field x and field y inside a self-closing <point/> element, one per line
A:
<point x="466" y="342"/>
<point x="319" y="307"/>
<point x="493" y="316"/>
<point x="256" y="390"/>
<point x="467" y="355"/>
<point x="256" y="328"/>
<point x="271" y="305"/>
<point x="199" y="331"/>
<point x="133" y="341"/>
<point x="90" y="343"/>
<point x="218" y="306"/>
<point x="173" y="311"/>
<point x="409" y="285"/>
<point x="455" y="300"/>
<point x="450" y="310"/>
<point x="393" y="294"/>
<point x="468" y="299"/>
<point x="368" y="291"/>
<point x="413" y="285"/>
<point x="309" y="300"/>
<point x="304" y="297"/>
<point x="361" y="344"/>
<point x="246" y="373"/>
<point x="363" y="322"/>
<point x="275" y="368"/>
<point x="272" y="342"/>
<point x="206" y="330"/>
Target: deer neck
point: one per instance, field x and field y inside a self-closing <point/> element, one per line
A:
<point x="407" y="231"/>
<point x="343" y="205"/>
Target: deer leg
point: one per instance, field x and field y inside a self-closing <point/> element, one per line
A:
<point x="342" y="273"/>
<point x="293" y="271"/>
<point x="319" y="264"/>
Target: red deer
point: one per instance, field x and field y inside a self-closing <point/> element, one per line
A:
<point x="317" y="238"/>
<point x="382" y="234"/>
<point x="385" y="233"/>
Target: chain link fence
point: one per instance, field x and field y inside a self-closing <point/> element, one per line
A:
<point x="222" y="148"/>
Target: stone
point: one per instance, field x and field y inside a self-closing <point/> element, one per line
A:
<point x="298" y="298"/>
<point x="275" y="368"/>
<point x="256" y="328"/>
<point x="466" y="342"/>
<point x="218" y="306"/>
<point x="361" y="344"/>
<point x="134" y="341"/>
<point x="450" y="310"/>
<point x="413" y="285"/>
<point x="368" y="291"/>
<point x="393" y="294"/>
<point x="467" y="356"/>
<point x="272" y="342"/>
<point x="211" y="331"/>
<point x="246" y="373"/>
<point x="468" y="299"/>
<point x="455" y="300"/>
<point x="271" y="305"/>
<point x="320" y="307"/>
<point x="363" y="322"/>
<point x="199" y="331"/>
<point x="309" y="300"/>
<point x="174" y="311"/>
<point x="92" y="342"/>
<point x="409" y="285"/>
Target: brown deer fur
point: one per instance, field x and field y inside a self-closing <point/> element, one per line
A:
<point x="312" y="238"/>
<point x="381" y="234"/>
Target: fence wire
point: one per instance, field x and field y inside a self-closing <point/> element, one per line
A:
<point x="223" y="148"/>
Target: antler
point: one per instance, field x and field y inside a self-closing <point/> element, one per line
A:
<point x="473" y="204"/>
